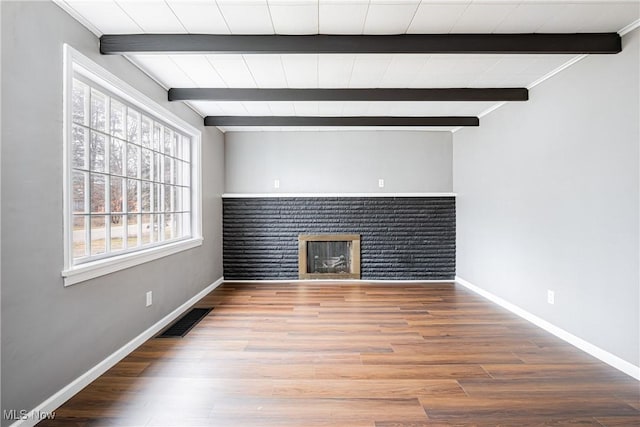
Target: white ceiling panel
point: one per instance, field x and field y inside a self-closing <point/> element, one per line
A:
<point x="403" y="70"/>
<point x="153" y="16"/>
<point x="390" y="17"/>
<point x="335" y="70"/>
<point x="357" y="108"/>
<point x="368" y="70"/>
<point x="306" y="108"/>
<point x="294" y="17"/>
<point x="199" y="16"/>
<point x="483" y="18"/>
<point x="232" y="108"/>
<point x="330" y="108"/>
<point x="233" y="70"/>
<point x="106" y="16"/>
<point x="163" y="69"/>
<point x="591" y="17"/>
<point x="282" y="108"/>
<point x="437" y="17"/>
<point x="342" y="17"/>
<point x="258" y="108"/>
<point x="301" y="70"/>
<point x="528" y="18"/>
<point x="266" y="70"/>
<point x="206" y="108"/>
<point x="247" y="16"/>
<point x="199" y="70"/>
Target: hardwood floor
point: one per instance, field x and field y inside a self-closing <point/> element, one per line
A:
<point x="371" y="355"/>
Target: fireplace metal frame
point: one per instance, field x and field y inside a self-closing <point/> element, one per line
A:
<point x="355" y="255"/>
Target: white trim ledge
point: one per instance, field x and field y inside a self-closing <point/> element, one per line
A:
<point x="70" y="390"/>
<point x="275" y="195"/>
<point x="603" y="355"/>
<point x="99" y="268"/>
<point x="330" y="281"/>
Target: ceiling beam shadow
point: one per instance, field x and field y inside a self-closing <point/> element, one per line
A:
<point x="387" y="94"/>
<point x="340" y="121"/>
<point x="563" y="43"/>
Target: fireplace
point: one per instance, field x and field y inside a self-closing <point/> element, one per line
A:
<point x="329" y="256"/>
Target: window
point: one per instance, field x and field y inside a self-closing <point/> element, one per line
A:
<point x="132" y="175"/>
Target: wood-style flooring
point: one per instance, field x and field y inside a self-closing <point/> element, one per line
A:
<point x="358" y="355"/>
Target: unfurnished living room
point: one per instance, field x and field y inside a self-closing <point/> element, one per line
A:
<point x="320" y="213"/>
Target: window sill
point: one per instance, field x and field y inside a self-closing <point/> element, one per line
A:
<point x="99" y="268"/>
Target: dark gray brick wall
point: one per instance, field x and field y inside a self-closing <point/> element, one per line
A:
<point x="402" y="238"/>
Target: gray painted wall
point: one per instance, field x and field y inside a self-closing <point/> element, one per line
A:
<point x="51" y="334"/>
<point x="548" y="199"/>
<point x="333" y="162"/>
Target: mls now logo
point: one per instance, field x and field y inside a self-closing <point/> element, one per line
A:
<point x="23" y="414"/>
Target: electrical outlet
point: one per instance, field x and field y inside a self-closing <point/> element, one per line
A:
<point x="381" y="183"/>
<point x="551" y="297"/>
<point x="149" y="298"/>
<point x="276" y="183"/>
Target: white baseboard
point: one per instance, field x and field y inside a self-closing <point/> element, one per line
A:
<point x="587" y="347"/>
<point x="329" y="281"/>
<point x="55" y="401"/>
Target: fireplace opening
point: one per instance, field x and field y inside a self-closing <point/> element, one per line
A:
<point x="329" y="256"/>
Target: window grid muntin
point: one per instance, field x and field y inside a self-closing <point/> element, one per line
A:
<point x="177" y="230"/>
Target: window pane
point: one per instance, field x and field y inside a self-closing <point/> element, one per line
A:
<point x="156" y="204"/>
<point x="157" y="136"/>
<point x="177" y="171"/>
<point x="80" y="139"/>
<point x="168" y="141"/>
<point x="132" y="195"/>
<point x="147" y="156"/>
<point x="98" y="233"/>
<point x="177" y="225"/>
<point x="99" y="109"/>
<point x="78" y="188"/>
<point x="79" y="102"/>
<point x="132" y="230"/>
<point x="146" y="229"/>
<point x="168" y="226"/>
<point x="185" y="174"/>
<point x="185" y="201"/>
<point x="98" y="194"/>
<point x="133" y="126"/>
<point x="147" y="125"/>
<point x="186" y="148"/>
<point x="168" y="170"/>
<point x="116" y="156"/>
<point x="80" y="223"/>
<point x="117" y="199"/>
<point x="133" y="157"/>
<point x="175" y="144"/>
<point x="169" y="197"/>
<point x="96" y="151"/>
<point x="118" y="115"/>
<point x="157" y="228"/>
<point x="146" y="196"/>
<point x="117" y="232"/>
<point x="186" y="224"/>
<point x="157" y="167"/>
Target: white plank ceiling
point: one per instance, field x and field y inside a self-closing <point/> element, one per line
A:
<point x="350" y="71"/>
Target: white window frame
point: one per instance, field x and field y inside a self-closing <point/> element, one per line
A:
<point x="75" y="62"/>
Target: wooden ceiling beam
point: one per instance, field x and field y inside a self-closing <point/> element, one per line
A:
<point x="531" y="43"/>
<point x="387" y="94"/>
<point x="449" y="121"/>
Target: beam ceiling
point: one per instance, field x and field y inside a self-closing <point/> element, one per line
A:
<point x="530" y="43"/>
<point x="385" y="121"/>
<point x="387" y="94"/>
